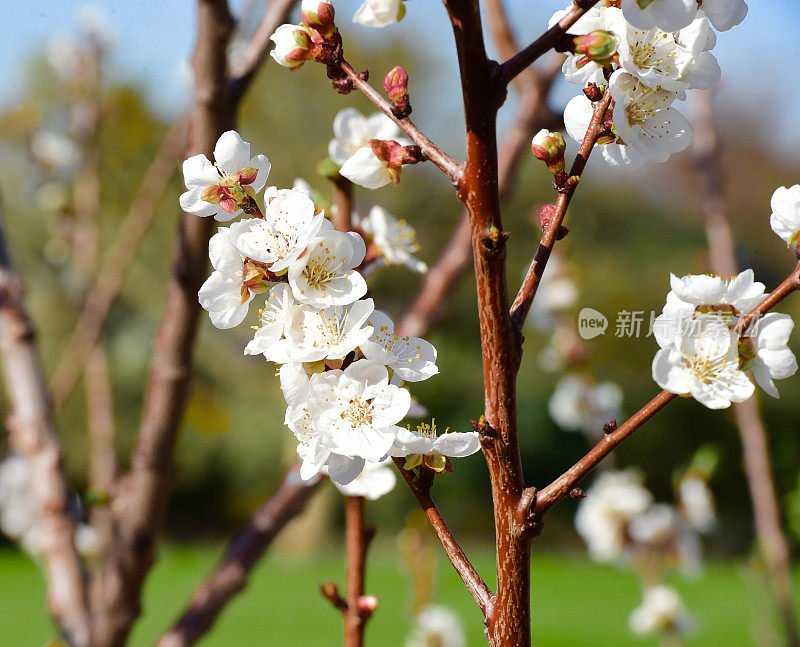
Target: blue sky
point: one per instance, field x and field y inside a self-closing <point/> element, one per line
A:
<point x="758" y="58"/>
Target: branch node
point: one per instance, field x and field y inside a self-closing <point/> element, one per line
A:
<point x="577" y="493"/>
<point x="484" y="429"/>
<point x="610" y="426"/>
<point x="330" y="592"/>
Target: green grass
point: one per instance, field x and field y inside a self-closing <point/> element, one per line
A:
<point x="575" y="601"/>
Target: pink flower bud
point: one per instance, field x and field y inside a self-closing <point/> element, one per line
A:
<point x="318" y="15"/>
<point x="598" y="46"/>
<point x="395" y="83"/>
<point x="549" y="147"/>
<point x="367" y="604"/>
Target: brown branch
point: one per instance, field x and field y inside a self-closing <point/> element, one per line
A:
<point x="343" y="199"/>
<point x="421" y="488"/>
<point x="32" y="434"/>
<point x="519" y="62"/>
<point x="748" y="417"/>
<point x="509" y="620"/>
<point x="140" y="502"/>
<point x="524" y="299"/>
<point x="447" y="164"/>
<point x="357" y="538"/>
<point x="243" y="553"/>
<point x="547" y="497"/>
<point x="116" y="264"/>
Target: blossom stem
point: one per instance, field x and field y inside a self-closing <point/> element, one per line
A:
<point x="447" y="164"/>
<point x="421" y="489"/>
<point x="516" y="64"/>
<point x="524" y="299"/>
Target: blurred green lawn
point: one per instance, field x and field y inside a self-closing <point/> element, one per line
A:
<point x="576" y="602"/>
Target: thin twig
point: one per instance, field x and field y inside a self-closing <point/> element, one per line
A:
<point x="447" y="164"/>
<point x="472" y="580"/>
<point x="243" y="553"/>
<point x="524" y="299"/>
<point x="32" y="434"/>
<point x="515" y="65"/>
<point x="357" y="540"/>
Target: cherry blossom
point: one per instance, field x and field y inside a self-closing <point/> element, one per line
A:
<point x="220" y="189"/>
<point x="273" y="320"/>
<point x="396" y="239"/>
<point x="697" y="503"/>
<point x="704" y="363"/>
<point x="773" y="359"/>
<point x="436" y="625"/>
<point x="375" y="481"/>
<point x="289" y="225"/>
<point x="326" y="275"/>
<point x="411" y="358"/>
<point x="424" y="447"/>
<point x="669" y="15"/>
<point x="661" y="611"/>
<point x="356" y="410"/>
<point x="785" y="218"/>
<point x="379" y="13"/>
<point x="330" y="333"/>
<point x="578" y="404"/>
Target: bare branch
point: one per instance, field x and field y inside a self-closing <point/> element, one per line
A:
<point x="32" y="434"/>
<point x="524" y="299"/>
<point x="243" y="553"/>
<point x="357" y="538"/>
<point x="447" y="164"/>
<point x="515" y="65"/>
<point x="421" y="488"/>
<point x="116" y="264"/>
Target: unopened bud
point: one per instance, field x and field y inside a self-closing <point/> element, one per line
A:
<point x="330" y="592"/>
<point x="293" y="46"/>
<point x="577" y="493"/>
<point x="610" y="426"/>
<point x="395" y="83"/>
<point x="599" y="46"/>
<point x="367" y="604"/>
<point x="318" y="15"/>
<point x="549" y="147"/>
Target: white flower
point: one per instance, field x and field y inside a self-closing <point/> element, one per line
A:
<point x="374" y="481"/>
<point x="351" y="149"/>
<point x="773" y="358"/>
<point x="315" y="457"/>
<point x="326" y="274"/>
<point x="379" y="13"/>
<point x="577" y="115"/>
<point x="292" y="44"/>
<point x="704" y="363"/>
<point x="661" y="611"/>
<point x="644" y="119"/>
<point x="598" y="18"/>
<point x="220" y="189"/>
<point x="396" y="239"/>
<point x="330" y="333"/>
<point x="356" y="411"/>
<point x="224" y="293"/>
<point x="704" y="293"/>
<point x="577" y="404"/>
<point x="785" y="218"/>
<point x="63" y="54"/>
<point x="614" y="499"/>
<point x="436" y="626"/>
<point x="423" y="446"/>
<point x="289" y="225"/>
<point x="273" y="320"/>
<point x="669" y="15"/>
<point x="697" y="503"/>
<point x="724" y="14"/>
<point x="411" y="358"/>
<point x="54" y="150"/>
<point x="656" y="526"/>
<point x="657" y="59"/>
<point x="352" y="132"/>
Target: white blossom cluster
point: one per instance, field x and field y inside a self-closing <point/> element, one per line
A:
<point x="648" y="53"/>
<point x="619" y="518"/>
<point x="342" y="365"/>
<point x="436" y="625"/>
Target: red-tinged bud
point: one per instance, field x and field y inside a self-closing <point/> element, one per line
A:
<point x="599" y="46"/>
<point x="367" y="604"/>
<point x="395" y="156"/>
<point x="577" y="493"/>
<point x="319" y="16"/>
<point x="248" y="175"/>
<point x="593" y="92"/>
<point x="549" y="147"/>
<point x="331" y="593"/>
<point x="395" y="83"/>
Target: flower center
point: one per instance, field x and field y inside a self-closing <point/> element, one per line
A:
<point x="358" y="412"/>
